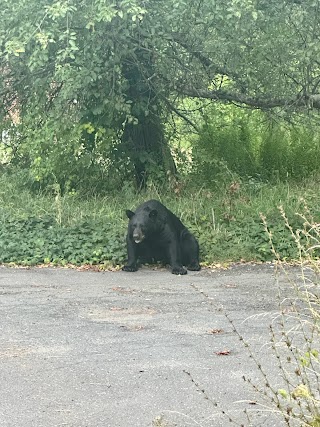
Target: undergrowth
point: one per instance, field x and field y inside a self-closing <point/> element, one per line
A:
<point x="71" y="229"/>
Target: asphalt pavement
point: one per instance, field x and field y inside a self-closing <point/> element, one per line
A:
<point x="116" y="349"/>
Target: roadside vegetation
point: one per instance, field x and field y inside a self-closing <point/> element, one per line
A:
<point x="295" y="334"/>
<point x="219" y="197"/>
<point x="210" y="107"/>
<point x="238" y="166"/>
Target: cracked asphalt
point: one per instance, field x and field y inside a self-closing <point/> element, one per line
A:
<point x="116" y="349"/>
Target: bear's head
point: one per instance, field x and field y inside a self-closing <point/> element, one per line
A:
<point x="142" y="223"/>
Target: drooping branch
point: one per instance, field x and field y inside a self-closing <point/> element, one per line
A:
<point x="305" y="101"/>
<point x="305" y="97"/>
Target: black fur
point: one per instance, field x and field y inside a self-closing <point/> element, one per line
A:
<point x="156" y="234"/>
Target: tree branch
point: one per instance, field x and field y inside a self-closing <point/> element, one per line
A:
<point x="172" y="107"/>
<point x="311" y="101"/>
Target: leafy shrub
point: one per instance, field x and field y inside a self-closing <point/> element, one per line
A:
<point x="39" y="240"/>
<point x="68" y="154"/>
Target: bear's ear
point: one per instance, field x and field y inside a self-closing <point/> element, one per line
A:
<point x="153" y="213"/>
<point x="129" y="214"/>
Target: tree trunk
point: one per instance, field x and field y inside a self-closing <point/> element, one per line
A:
<point x="145" y="141"/>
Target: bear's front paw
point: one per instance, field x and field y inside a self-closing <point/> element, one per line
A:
<point x="179" y="270"/>
<point x="130" y="268"/>
<point x="194" y="266"/>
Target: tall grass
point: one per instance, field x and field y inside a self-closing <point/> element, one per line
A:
<point x="253" y="145"/>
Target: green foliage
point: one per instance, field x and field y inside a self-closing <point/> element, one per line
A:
<point x="227" y="145"/>
<point x="275" y="153"/>
<point x="48" y="160"/>
<point x="254" y="146"/>
<point x="289" y="151"/>
<point x="40" y="240"/>
<point x="76" y="75"/>
<point x="68" y="228"/>
<point x="77" y="94"/>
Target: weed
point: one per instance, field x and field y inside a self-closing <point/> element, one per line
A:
<point x="295" y="335"/>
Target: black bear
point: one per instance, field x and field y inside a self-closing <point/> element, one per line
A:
<point x="156" y="234"/>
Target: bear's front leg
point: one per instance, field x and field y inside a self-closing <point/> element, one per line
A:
<point x="175" y="259"/>
<point x="132" y="263"/>
<point x="194" y="266"/>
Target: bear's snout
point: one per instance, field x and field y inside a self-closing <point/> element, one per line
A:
<point x="138" y="236"/>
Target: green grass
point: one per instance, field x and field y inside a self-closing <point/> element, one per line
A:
<point x="39" y="228"/>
